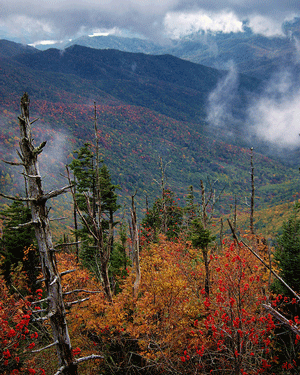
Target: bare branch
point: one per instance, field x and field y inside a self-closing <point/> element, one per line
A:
<point x="56" y="313"/>
<point x="92" y="356"/>
<point x="262" y="261"/>
<point x="79" y="360"/>
<point x="21" y="157"/>
<point x="40" y="301"/>
<point x="32" y="222"/>
<point x="81" y="290"/>
<point x="39" y="149"/>
<point x="11" y="197"/>
<point x="33" y="121"/>
<point x="60" y="370"/>
<point x="67" y="244"/>
<point x="136" y="245"/>
<point x="282" y="319"/>
<point x="66" y="272"/>
<point x="55" y="193"/>
<point x="252" y="193"/>
<point x="58" y="218"/>
<point x="42" y="318"/>
<point x="69" y="304"/>
<point x="45" y="347"/>
<point x="31" y="176"/>
<point x="54" y="280"/>
<point x="39" y="311"/>
<point x="11" y="162"/>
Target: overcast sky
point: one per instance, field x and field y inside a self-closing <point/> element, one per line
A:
<point x="60" y="19"/>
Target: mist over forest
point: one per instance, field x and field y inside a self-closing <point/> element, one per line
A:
<point x="149" y="189"/>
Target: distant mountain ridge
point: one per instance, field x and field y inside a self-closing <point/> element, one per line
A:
<point x="164" y="83"/>
<point x="253" y="54"/>
<point x="148" y="107"/>
<point x="124" y="44"/>
<point x="10" y="49"/>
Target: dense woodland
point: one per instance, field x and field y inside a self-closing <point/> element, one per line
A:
<point x="157" y="110"/>
<point x="181" y="290"/>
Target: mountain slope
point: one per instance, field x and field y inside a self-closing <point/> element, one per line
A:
<point x="166" y="84"/>
<point x="148" y="107"/>
<point x="134" y="45"/>
<point x="253" y="54"/>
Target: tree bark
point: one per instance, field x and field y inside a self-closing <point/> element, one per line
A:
<point x="37" y="199"/>
<point x="252" y="193"/>
<point x="136" y="249"/>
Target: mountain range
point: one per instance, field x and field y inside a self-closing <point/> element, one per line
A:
<point x="253" y="54"/>
<point x="149" y="106"/>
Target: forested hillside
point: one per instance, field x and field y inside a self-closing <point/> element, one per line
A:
<point x="163" y="296"/>
<point x="151" y="266"/>
<point x="148" y="107"/>
<point x="253" y="54"/>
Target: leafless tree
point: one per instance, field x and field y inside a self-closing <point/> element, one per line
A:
<point x="134" y="231"/>
<point x="93" y="221"/>
<point x="252" y="193"/>
<point x="37" y="199"/>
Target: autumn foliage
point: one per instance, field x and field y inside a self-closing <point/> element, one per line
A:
<point x="173" y="326"/>
<point x="17" y="335"/>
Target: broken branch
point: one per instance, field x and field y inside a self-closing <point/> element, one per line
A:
<point x="45" y="347"/>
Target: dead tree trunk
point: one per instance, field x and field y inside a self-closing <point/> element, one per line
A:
<point x="104" y="248"/>
<point x="37" y="198"/>
<point x="93" y="219"/>
<point x="163" y="192"/>
<point x="252" y="193"/>
<point x="136" y="248"/>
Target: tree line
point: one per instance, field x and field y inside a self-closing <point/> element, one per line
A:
<point x="165" y="295"/>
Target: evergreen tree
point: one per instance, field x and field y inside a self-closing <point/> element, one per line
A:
<point x="164" y="217"/>
<point x="15" y="240"/>
<point x="191" y="208"/>
<point x="287" y="253"/>
<point x="119" y="260"/>
<point x="201" y="238"/>
<point x="83" y="167"/>
<point x="97" y="200"/>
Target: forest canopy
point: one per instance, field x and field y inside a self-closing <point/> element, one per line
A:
<point x="173" y="293"/>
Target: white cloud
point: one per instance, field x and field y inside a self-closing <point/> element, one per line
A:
<point x="180" y="24"/>
<point x="105" y="32"/>
<point x="265" y="26"/>
<point x="65" y="18"/>
<point x="221" y="99"/>
<point x="297" y="48"/>
<point x="24" y="26"/>
<point x="45" y="43"/>
<point x="275" y="116"/>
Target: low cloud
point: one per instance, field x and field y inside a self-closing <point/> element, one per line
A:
<point x="62" y="19"/>
<point x="222" y="98"/>
<point x="297" y="50"/>
<point x="178" y="25"/>
<point x="265" y="26"/>
<point x="274" y="117"/>
<point x="53" y="159"/>
<point x="271" y="117"/>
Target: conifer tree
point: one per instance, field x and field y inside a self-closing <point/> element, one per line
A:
<point x="16" y="239"/>
<point x="96" y="202"/>
<point x="165" y="217"/>
<point x="287" y="253"/>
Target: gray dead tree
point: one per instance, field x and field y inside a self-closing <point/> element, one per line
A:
<point x="134" y="232"/>
<point x="93" y="220"/>
<point x="252" y="193"/>
<point x="37" y="199"/>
